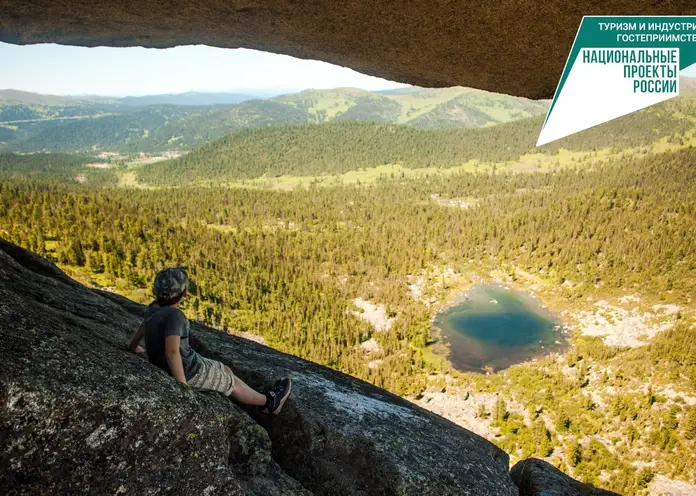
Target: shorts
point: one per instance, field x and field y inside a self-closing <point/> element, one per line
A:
<point x="213" y="376"/>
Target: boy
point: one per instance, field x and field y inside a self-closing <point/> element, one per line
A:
<point x="166" y="330"/>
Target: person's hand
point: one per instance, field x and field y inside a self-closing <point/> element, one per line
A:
<point x="139" y="350"/>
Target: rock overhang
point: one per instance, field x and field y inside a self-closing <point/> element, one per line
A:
<point x="516" y="47"/>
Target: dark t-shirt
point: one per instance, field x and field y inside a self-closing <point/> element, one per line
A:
<point x="169" y="321"/>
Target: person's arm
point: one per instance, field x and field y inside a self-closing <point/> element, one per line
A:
<point x="173" y="357"/>
<point x="134" y="345"/>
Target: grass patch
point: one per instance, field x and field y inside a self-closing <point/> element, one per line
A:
<point x="127" y="180"/>
<point x="366" y="176"/>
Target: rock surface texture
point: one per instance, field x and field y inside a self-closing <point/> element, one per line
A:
<point x="538" y="478"/>
<point x="81" y="415"/>
<point x="517" y="47"/>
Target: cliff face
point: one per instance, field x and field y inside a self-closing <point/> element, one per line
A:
<point x="516" y="47"/>
<point x="79" y="414"/>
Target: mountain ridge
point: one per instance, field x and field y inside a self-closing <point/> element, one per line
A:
<point x="131" y="125"/>
<point x="337" y="147"/>
<point x="21" y="97"/>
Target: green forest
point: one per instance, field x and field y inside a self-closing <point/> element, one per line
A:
<point x="612" y="217"/>
<point x="287" y="265"/>
<point x="58" y="167"/>
<point x="339" y="147"/>
<point x="30" y="122"/>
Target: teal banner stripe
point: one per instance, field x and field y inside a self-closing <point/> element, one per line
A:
<point x="591" y="35"/>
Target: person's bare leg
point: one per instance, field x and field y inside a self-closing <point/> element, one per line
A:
<point x="245" y="395"/>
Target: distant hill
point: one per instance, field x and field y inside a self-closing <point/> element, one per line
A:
<point x="32" y="122"/>
<point x="338" y="147"/>
<point x="16" y="97"/>
<point x="148" y="129"/>
<point x="22" y="106"/>
<point x="420" y="107"/>
<point x="191" y="98"/>
<point x="400" y="91"/>
<point x="469" y="108"/>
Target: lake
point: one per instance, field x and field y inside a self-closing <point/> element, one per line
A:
<point x="492" y="327"/>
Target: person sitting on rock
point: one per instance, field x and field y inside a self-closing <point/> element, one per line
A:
<point x="166" y="330"/>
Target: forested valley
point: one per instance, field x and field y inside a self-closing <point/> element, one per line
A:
<point x="31" y="122"/>
<point x="615" y="222"/>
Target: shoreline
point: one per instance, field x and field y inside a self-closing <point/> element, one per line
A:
<point x="622" y="319"/>
<point x="528" y="297"/>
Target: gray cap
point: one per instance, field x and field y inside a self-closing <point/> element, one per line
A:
<point x="170" y="283"/>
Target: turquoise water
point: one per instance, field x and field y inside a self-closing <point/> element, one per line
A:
<point x="492" y="327"/>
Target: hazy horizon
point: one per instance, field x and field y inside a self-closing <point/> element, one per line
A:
<point x="257" y="92"/>
<point x="137" y="71"/>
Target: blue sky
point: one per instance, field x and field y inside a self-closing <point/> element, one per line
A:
<point x="68" y="70"/>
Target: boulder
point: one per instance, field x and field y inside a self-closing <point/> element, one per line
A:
<point x="516" y="47"/>
<point x="536" y="477"/>
<point x="81" y="415"/>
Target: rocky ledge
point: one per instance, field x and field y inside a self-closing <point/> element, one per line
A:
<point x="536" y="477"/>
<point x="81" y="415"/>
